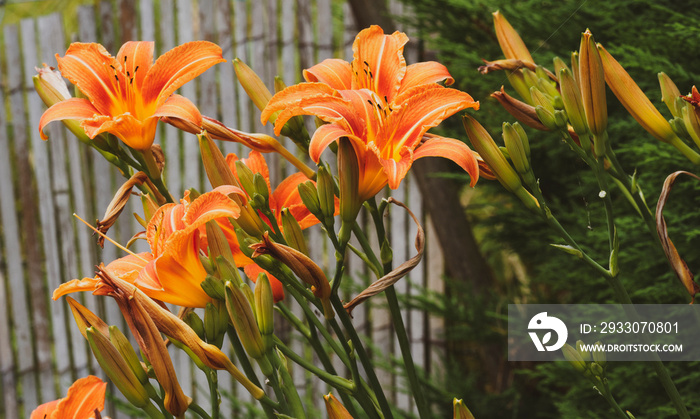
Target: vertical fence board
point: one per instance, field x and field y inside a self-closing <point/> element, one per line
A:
<point x="227" y="80"/>
<point x="23" y="326"/>
<point x="14" y="274"/>
<point x="172" y="142"/>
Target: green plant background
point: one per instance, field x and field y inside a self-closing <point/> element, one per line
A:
<point x="646" y="37"/>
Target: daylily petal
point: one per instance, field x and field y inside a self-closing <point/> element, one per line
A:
<point x="180" y="272"/>
<point x="396" y="169"/>
<point x="424" y="107"/>
<point x="134" y="133"/>
<point x="323" y="137"/>
<point x="290" y="99"/>
<point x="452" y="149"/>
<point x="286" y="193"/>
<point x="180" y="107"/>
<point x="84" y="396"/>
<point x="334" y="72"/>
<point x="45" y="411"/>
<point x="166" y="220"/>
<point x="75" y="285"/>
<point x="67" y="109"/>
<point x="252" y="271"/>
<point x="93" y="70"/>
<point x="210" y="206"/>
<point x="178" y="66"/>
<point x="372" y="175"/>
<point x="427" y="72"/>
<point x="136" y="59"/>
<point x="378" y="62"/>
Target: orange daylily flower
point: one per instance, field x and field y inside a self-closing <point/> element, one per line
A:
<point x="172" y="272"/>
<point x="84" y="397"/>
<point x="127" y="94"/>
<point x="286" y="195"/>
<point x="383" y="106"/>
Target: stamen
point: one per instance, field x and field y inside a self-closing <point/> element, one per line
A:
<point x="116" y="77"/>
<point x="370" y="74"/>
<point x="386" y="100"/>
<point x="136" y="69"/>
<point x="365" y="70"/>
<point x="108" y="239"/>
<point x="127" y="74"/>
<point x="366" y="63"/>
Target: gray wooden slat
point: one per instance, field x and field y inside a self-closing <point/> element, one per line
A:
<point x="25" y="332"/>
<point x="416" y="281"/>
<point x="269" y="53"/>
<point x="434" y="267"/>
<point x="14" y="274"/>
<point x="192" y="163"/>
<point x="148" y="20"/>
<point x="290" y="69"/>
<point x="324" y="29"/>
<point x="241" y="51"/>
<point x="350" y="31"/>
<point x="227" y="80"/>
<point x="101" y="169"/>
<point x="50" y="44"/>
<point x="172" y="141"/>
<point x="208" y="91"/>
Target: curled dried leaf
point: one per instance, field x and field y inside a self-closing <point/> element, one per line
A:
<point x="677" y="263"/>
<point x="402" y="270"/>
<point x="115" y="208"/>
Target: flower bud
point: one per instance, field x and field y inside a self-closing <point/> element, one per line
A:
<point x="326" y="195"/>
<point x="585" y="355"/>
<point x="85" y="318"/>
<point x="460" y="411"/>
<point x="539" y="98"/>
<point x="264" y="309"/>
<point x="51" y="88"/>
<point x="127" y="352"/>
<point x="571" y="96"/>
<point x="292" y="232"/>
<point x="218" y="172"/>
<point x="253" y="86"/>
<point x="519" y="110"/>
<point x="574" y="358"/>
<point x="309" y="196"/>
<point x="217" y="242"/>
<point x="517" y="81"/>
<point x="511" y="44"/>
<point x="194" y="322"/>
<point x="488" y="150"/>
<point x="634" y="100"/>
<point x="243" y="320"/>
<point x="349" y="177"/>
<point x="261" y="187"/>
<point x="116" y="368"/>
<point x="599" y="356"/>
<point x="592" y="83"/>
<point x="247" y="177"/>
<point x="691" y="122"/>
<point x="531" y="79"/>
<point x="546" y="117"/>
<point x="670" y="94"/>
<point x="597" y="370"/>
<point x="302" y="266"/>
<point x="213" y="329"/>
<point x="519" y="150"/>
<point x="559" y="65"/>
<point x="335" y="409"/>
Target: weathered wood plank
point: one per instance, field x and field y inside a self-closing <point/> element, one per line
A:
<point x="192" y="164"/>
<point x="14" y="276"/>
<point x="172" y="141"/>
<point x="240" y="10"/>
<point x="324" y="20"/>
<point x="21" y="314"/>
<point x="227" y="80"/>
<point x="54" y="41"/>
<point x="148" y="20"/>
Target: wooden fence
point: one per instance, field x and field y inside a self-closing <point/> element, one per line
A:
<point x="43" y="183"/>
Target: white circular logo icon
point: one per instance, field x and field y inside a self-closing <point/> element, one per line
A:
<point x="541" y="321"/>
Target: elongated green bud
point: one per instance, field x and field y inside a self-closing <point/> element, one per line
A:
<point x="247" y="177"/>
<point x="217" y="242"/>
<point x="244" y="322"/>
<point x="546" y="117"/>
<point x="518" y="152"/>
<point x="128" y="353"/>
<point x="326" y="195"/>
<point x="213" y="330"/>
<point x="573" y="104"/>
<point x="261" y="186"/>
<point x="253" y="85"/>
<point x="309" y="196"/>
<point x="193" y="320"/>
<point x="592" y="82"/>
<point x="217" y="170"/>
<point x="670" y="94"/>
<point x="517" y="80"/>
<point x="292" y="232"/>
<point x="691" y="123"/>
<point x="461" y="411"/>
<point x="585" y="355"/>
<point x="116" y="368"/>
<point x="599" y="356"/>
<point x="574" y="358"/>
<point x="264" y="309"/>
<point x="559" y="65"/>
<point x="540" y="98"/>
<point x="349" y="174"/>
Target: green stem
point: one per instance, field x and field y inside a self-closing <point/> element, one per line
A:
<point x="153" y="411"/>
<point x="374" y="264"/>
<point x="607" y="202"/>
<point x="288" y="388"/>
<point x="199" y="410"/>
<point x="213" y="379"/>
<point x="248" y="368"/>
<point x="362" y="354"/>
<point x="155" y="174"/>
<point x="616" y="407"/>
<point x="338" y="382"/>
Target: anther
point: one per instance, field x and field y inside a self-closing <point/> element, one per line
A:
<point x="366" y="63"/>
<point x="137" y="67"/>
<point x="117" y="78"/>
<point x="386" y="100"/>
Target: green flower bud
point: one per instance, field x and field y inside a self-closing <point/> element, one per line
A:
<point x="349" y="174"/>
<point x="292" y="232"/>
<point x="309" y="196"/>
<point x="127" y="352"/>
<point x="571" y="96"/>
<point x="193" y="320"/>
<point x="574" y="358"/>
<point x="599" y="356"/>
<point x="670" y="94"/>
<point x="247" y="177"/>
<point x="326" y="195"/>
<point x="264" y="309"/>
<point x="244" y="322"/>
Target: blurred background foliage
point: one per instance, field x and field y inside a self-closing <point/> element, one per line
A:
<point x="647" y="37"/>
